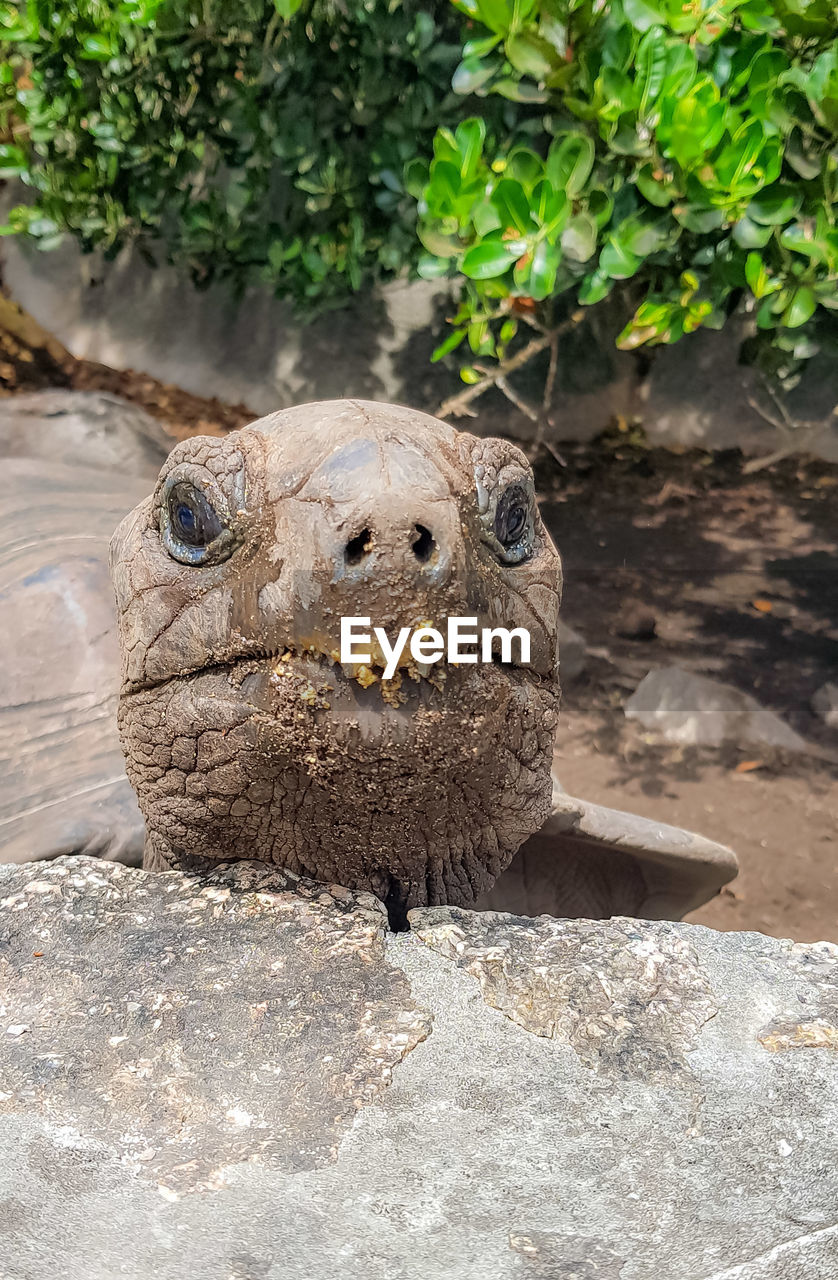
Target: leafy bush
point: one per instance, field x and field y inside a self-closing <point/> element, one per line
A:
<point x="685" y="150"/>
<point x="253" y="146"/>
<point x="690" y="148"/>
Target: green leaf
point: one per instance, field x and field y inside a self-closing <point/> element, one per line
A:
<point x="801" y="308"/>
<point x="642" y="235"/>
<point x="579" y="238"/>
<point x="12" y="160"/>
<point x="651" y="65"/>
<point x="749" y="235"/>
<point x="471" y="74"/>
<point x="700" y="218"/>
<point x="531" y="55"/>
<point x="515" y="91"/>
<point x="496" y="14"/>
<point x="485" y="218"/>
<point x="600" y="206"/>
<point x="97" y="48"/>
<point x="469" y="138"/>
<point x="569" y="162"/>
<point x="448" y="344"/>
<point x="287" y="8"/>
<point x="805" y="162"/>
<point x="416" y="176"/>
<point x="756" y="275"/>
<point x="697" y="124"/>
<point x="541" y="270"/>
<point x="643" y="14"/>
<point x="490" y="258"/>
<point x="775" y="205"/>
<point x="650" y="323"/>
<point x="812" y="241"/>
<point x="594" y="288"/>
<point x="656" y="192"/>
<point x="431" y="267"/>
<point x="513" y="209"/>
<point x="479" y="48"/>
<point x="438" y="243"/>
<point x="525" y="167"/>
<point x="617" y="262"/>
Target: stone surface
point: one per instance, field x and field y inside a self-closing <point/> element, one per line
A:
<point x="825" y="704"/>
<point x="682" y="706"/>
<point x="699" y="394"/>
<point x="90" y="428"/>
<point x="248" y="1078"/>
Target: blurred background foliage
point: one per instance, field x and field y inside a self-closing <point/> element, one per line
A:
<point x="540" y="151"/>
<point x="249" y="140"/>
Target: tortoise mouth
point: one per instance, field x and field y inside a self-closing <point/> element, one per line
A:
<point x="393" y="688"/>
<point x="316" y="679"/>
<point x="310" y="658"/>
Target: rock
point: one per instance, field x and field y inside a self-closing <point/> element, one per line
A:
<point x="573" y="653"/>
<point x="85" y="427"/>
<point x="251" y="1073"/>
<point x="684" y="707"/>
<point x="825" y="704"/>
<point x="635" y="621"/>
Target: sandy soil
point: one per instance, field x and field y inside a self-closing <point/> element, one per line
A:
<point x="739" y="577"/>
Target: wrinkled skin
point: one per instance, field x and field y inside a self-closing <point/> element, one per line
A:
<point x="244" y="738"/>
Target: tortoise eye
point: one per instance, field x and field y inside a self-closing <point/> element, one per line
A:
<point x="193" y="520"/>
<point x="512" y="515"/>
<point x="192" y="529"/>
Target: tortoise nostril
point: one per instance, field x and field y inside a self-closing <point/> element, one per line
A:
<point x="424" y="546"/>
<point x="357" y="547"/>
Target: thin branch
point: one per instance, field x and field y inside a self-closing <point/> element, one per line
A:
<point x="518" y="401"/>
<point x="798" y="432"/>
<point x="458" y="404"/>
<point x="547" y="398"/>
<point x="550" y="383"/>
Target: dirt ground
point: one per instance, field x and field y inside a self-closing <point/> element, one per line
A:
<point x="729" y="575"/>
<point x="737" y="576"/>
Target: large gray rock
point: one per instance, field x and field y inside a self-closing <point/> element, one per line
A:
<point x="250" y="1078"/>
<point x="88" y="428"/>
<point x="681" y="706"/>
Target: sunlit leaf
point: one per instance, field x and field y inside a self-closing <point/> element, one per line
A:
<point x="569" y="162"/>
<point x="489" y="258"/>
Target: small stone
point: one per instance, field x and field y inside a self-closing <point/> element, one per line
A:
<point x="17" y="1029"/>
<point x="573" y="653"/>
<point x="635" y="621"/>
<point x="825" y="704"/>
<point x="687" y="708"/>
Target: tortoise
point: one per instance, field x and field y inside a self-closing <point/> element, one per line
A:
<point x="246" y="732"/>
<point x="245" y="736"/>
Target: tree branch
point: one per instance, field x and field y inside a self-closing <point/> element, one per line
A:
<point x="793" y="429"/>
<point x="458" y="405"/>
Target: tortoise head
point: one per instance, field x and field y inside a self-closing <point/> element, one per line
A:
<point x="245" y="735"/>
